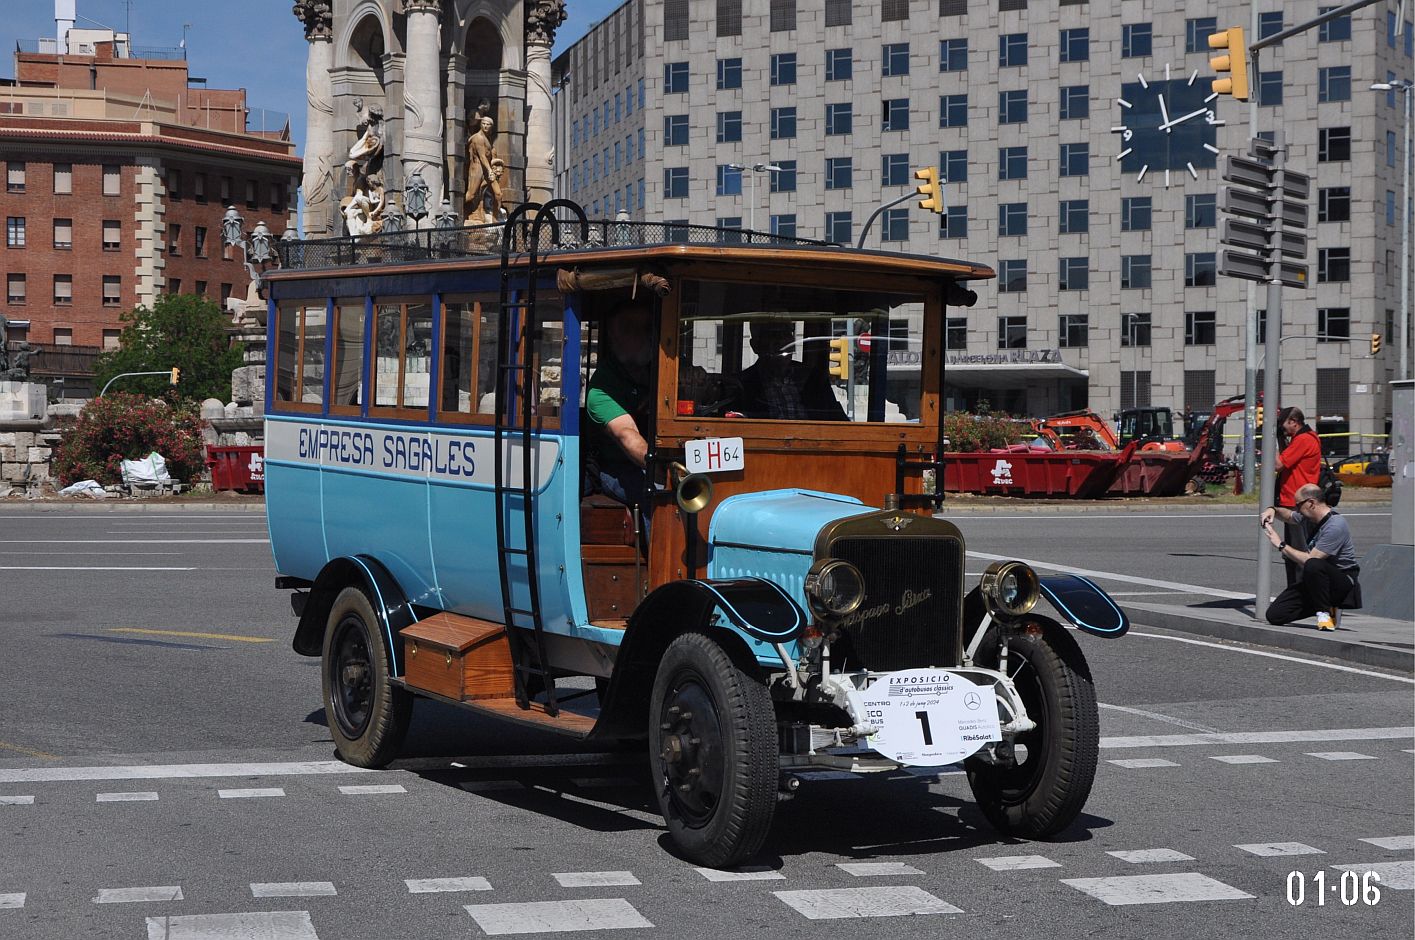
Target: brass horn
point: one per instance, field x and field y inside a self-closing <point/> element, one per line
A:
<point x="693" y="492"/>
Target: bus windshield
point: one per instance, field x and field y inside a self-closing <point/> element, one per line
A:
<point x="799" y="353"/>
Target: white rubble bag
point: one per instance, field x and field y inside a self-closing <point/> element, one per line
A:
<point x="84" y="488"/>
<point x="146" y="471"/>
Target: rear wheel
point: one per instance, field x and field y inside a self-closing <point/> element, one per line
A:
<point x="713" y="752"/>
<point x="1044" y="790"/>
<point x="368" y="715"/>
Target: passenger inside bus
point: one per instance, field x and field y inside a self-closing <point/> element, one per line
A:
<point x="617" y="405"/>
<point x="780" y="386"/>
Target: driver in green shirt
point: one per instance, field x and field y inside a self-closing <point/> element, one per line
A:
<point x="617" y="403"/>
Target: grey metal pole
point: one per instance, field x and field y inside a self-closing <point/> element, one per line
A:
<point x="1405" y="245"/>
<point x="1272" y="352"/>
<point x="1250" y="337"/>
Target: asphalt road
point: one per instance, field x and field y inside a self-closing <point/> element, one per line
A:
<point x="158" y="738"/>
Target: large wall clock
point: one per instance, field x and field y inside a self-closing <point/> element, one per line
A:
<point x="1167" y="127"/>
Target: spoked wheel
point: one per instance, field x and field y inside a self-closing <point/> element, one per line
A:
<point x="713" y="752"/>
<point x="368" y="715"/>
<point x="1044" y="789"/>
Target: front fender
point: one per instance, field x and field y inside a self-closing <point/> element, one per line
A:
<point x="1085" y="604"/>
<point x="387" y="597"/>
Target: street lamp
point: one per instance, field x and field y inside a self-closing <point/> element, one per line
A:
<point x="1404" y="86"/>
<point x="755" y="168"/>
<point x="258" y="247"/>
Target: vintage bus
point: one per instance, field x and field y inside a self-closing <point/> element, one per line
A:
<point x="784" y="595"/>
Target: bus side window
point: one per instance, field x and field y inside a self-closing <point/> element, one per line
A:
<point x="348" y="365"/>
<point x="312" y="356"/>
<point x="299" y="354"/>
<point x="468" y="379"/>
<point x="402" y="350"/>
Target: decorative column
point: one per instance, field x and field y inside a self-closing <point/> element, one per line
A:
<point x="318" y="181"/>
<point x="422" y="96"/>
<point x="543" y="18"/>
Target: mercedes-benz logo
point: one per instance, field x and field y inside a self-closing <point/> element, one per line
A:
<point x="973" y="701"/>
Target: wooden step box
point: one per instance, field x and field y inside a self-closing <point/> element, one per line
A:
<point x="460" y="658"/>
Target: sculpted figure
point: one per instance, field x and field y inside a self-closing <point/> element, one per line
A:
<point x="483" y="177"/>
<point x="364" y="199"/>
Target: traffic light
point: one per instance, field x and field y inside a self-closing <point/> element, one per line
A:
<point x="1258" y="416"/>
<point x="1235" y="63"/>
<point x="932" y="190"/>
<point x="1375" y="343"/>
<point x="176" y="375"/>
<point x="840" y="358"/>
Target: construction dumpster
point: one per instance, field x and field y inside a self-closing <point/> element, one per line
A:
<point x="237" y="468"/>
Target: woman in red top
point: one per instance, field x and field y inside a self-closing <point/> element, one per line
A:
<point x="1299" y="462"/>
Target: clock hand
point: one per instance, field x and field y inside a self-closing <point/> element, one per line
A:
<point x="1164" y="113"/>
<point x="1180" y="120"/>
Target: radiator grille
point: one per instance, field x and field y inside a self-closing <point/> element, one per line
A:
<point x="909" y="618"/>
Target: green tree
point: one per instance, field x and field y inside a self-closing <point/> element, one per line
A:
<point x="180" y="330"/>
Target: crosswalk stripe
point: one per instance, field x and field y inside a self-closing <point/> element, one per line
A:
<point x="1137" y="763"/>
<point x="1148" y="856"/>
<point x="1396" y="876"/>
<point x="877" y="869"/>
<point x="293" y="889"/>
<point x="130" y="895"/>
<point x="595" y="879"/>
<point x="837" y="903"/>
<point x="741" y="874"/>
<point x="1394" y="843"/>
<point x="1270" y="849"/>
<point x="1017" y="862"/>
<point x="1258" y="737"/>
<point x="10" y="902"/>
<point x="25" y="800"/>
<point x="1241" y="759"/>
<point x="248" y="793"/>
<point x="373" y="789"/>
<point x="130" y="797"/>
<point x="551" y="916"/>
<point x="1156" y="889"/>
<point x="272" y="925"/>
<point x="1340" y="755"/>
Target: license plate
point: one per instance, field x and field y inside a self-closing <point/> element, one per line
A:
<point x="714" y="455"/>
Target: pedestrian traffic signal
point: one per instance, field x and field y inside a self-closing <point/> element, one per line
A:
<point x="1375" y="343"/>
<point x="176" y="375"/>
<point x="840" y="357"/>
<point x="1258" y="416"/>
<point x="932" y="190"/>
<point x="1235" y="63"/>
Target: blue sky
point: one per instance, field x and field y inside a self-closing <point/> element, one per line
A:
<point x="256" y="45"/>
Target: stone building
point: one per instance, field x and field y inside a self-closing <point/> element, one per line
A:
<point x="428" y="65"/>
<point x="1107" y="294"/>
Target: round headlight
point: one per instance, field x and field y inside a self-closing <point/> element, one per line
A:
<point x="1010" y="588"/>
<point x="834" y="588"/>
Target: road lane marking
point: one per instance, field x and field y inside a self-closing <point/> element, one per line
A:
<point x="1278" y="849"/>
<point x="131" y="895"/>
<point x="250" y="793"/>
<point x="552" y="916"/>
<point x="1140" y="763"/>
<point x="1258" y="737"/>
<point x="837" y="903"/>
<point x="88" y="568"/>
<point x="1340" y="755"/>
<point x="595" y="879"/>
<point x="273" y="925"/>
<point x="1017" y="862"/>
<point x="1125" y="578"/>
<point x="11" y="902"/>
<point x="293" y="889"/>
<point x="1192" y="726"/>
<point x="11" y="800"/>
<point x="134" y="796"/>
<point x="439" y="885"/>
<point x="1242" y="759"/>
<point x="1150" y="856"/>
<point x="1394" y="843"/>
<point x="177" y="771"/>
<point x="1040" y="516"/>
<point x="373" y="788"/>
<point x="28" y="751"/>
<point x="193" y="635"/>
<point x="1156" y="889"/>
<point x="130" y="541"/>
<point x="745" y="873"/>
<point x="1264" y="653"/>
<point x="1397" y="876"/>
<point x="878" y="869"/>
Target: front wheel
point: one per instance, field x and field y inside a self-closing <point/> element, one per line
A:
<point x="712" y="752"/>
<point x="1044" y="789"/>
<point x="368" y="715"/>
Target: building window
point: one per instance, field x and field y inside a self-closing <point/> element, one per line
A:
<point x="1012" y="276"/>
<point x="1200" y="269"/>
<point x="1200" y="328"/>
<point x="15" y="231"/>
<point x="1012" y="107"/>
<point x="63" y="289"/>
<point x="1074" y="331"/>
<point x="784" y="179"/>
<point x="63" y="234"/>
<point x="894" y="169"/>
<point x="1075" y="216"/>
<point x="63" y="179"/>
<point x="896" y="114"/>
<point x="954" y="164"/>
<point x="953" y="223"/>
<point x="895" y="225"/>
<point x="1135" y="272"/>
<point x="952" y="7"/>
<point x="955" y="334"/>
<point x="1074" y="274"/>
<point x="1334" y="204"/>
<point x="838" y="13"/>
<point x="783" y="68"/>
<point x="1270" y="89"/>
<point x="894" y="59"/>
<point x="1075" y="159"/>
<point x="729" y="17"/>
<point x="839" y="172"/>
<point x="15" y="288"/>
<point x="1012" y="332"/>
<point x="1135" y="212"/>
<point x="174" y="184"/>
<point x="174" y="240"/>
<point x="1269" y="24"/>
<point x="839" y="65"/>
<point x="199" y="187"/>
<point x="1075" y="45"/>
<point x="112" y="180"/>
<point x="729" y="127"/>
<point x="1334" y="83"/>
<point x="784" y="225"/>
<point x="112" y="234"/>
<point x="1197" y="32"/>
<point x="675" y="77"/>
<point x="199" y="241"/>
<point x="1390" y="207"/>
<point x="201" y="289"/>
<point x="1333" y="265"/>
<point x="895" y="10"/>
<point x="1337" y="30"/>
<point x="838" y="227"/>
<point x="1390" y="147"/>
<point x="63" y="336"/>
<point x="953" y="55"/>
<point x="839" y="118"/>
<point x="1333" y="324"/>
<point x="783" y="19"/>
<point x="729" y="73"/>
<point x="953" y="111"/>
<point x="1075" y="102"/>
<point x="252" y="201"/>
<point x="14" y="177"/>
<point x="1135" y="388"/>
<point x="1012" y="163"/>
<point x="729" y="180"/>
<point x="1011" y="50"/>
<point x="1199" y="391"/>
<point x="112" y="290"/>
<point x="1136" y="40"/>
<point x="111" y="338"/>
<point x="174" y="285"/>
<point x="1334" y="385"/>
<point x="1012" y="218"/>
<point x="675" y="130"/>
<point x="1200" y="210"/>
<point x="675" y="182"/>
<point x="783" y="123"/>
<point x="1333" y="144"/>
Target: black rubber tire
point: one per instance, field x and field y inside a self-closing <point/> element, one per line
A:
<point x="367" y="714"/>
<point x="725" y="815"/>
<point x="1045" y="793"/>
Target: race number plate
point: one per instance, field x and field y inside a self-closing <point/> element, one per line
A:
<point x="714" y="455"/>
<point x="929" y="717"/>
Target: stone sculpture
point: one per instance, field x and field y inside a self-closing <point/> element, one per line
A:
<point x="483" y="175"/>
<point x="362" y="206"/>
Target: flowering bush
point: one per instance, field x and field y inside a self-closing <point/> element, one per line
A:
<point x="123" y="426"/>
<point x="969" y="433"/>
